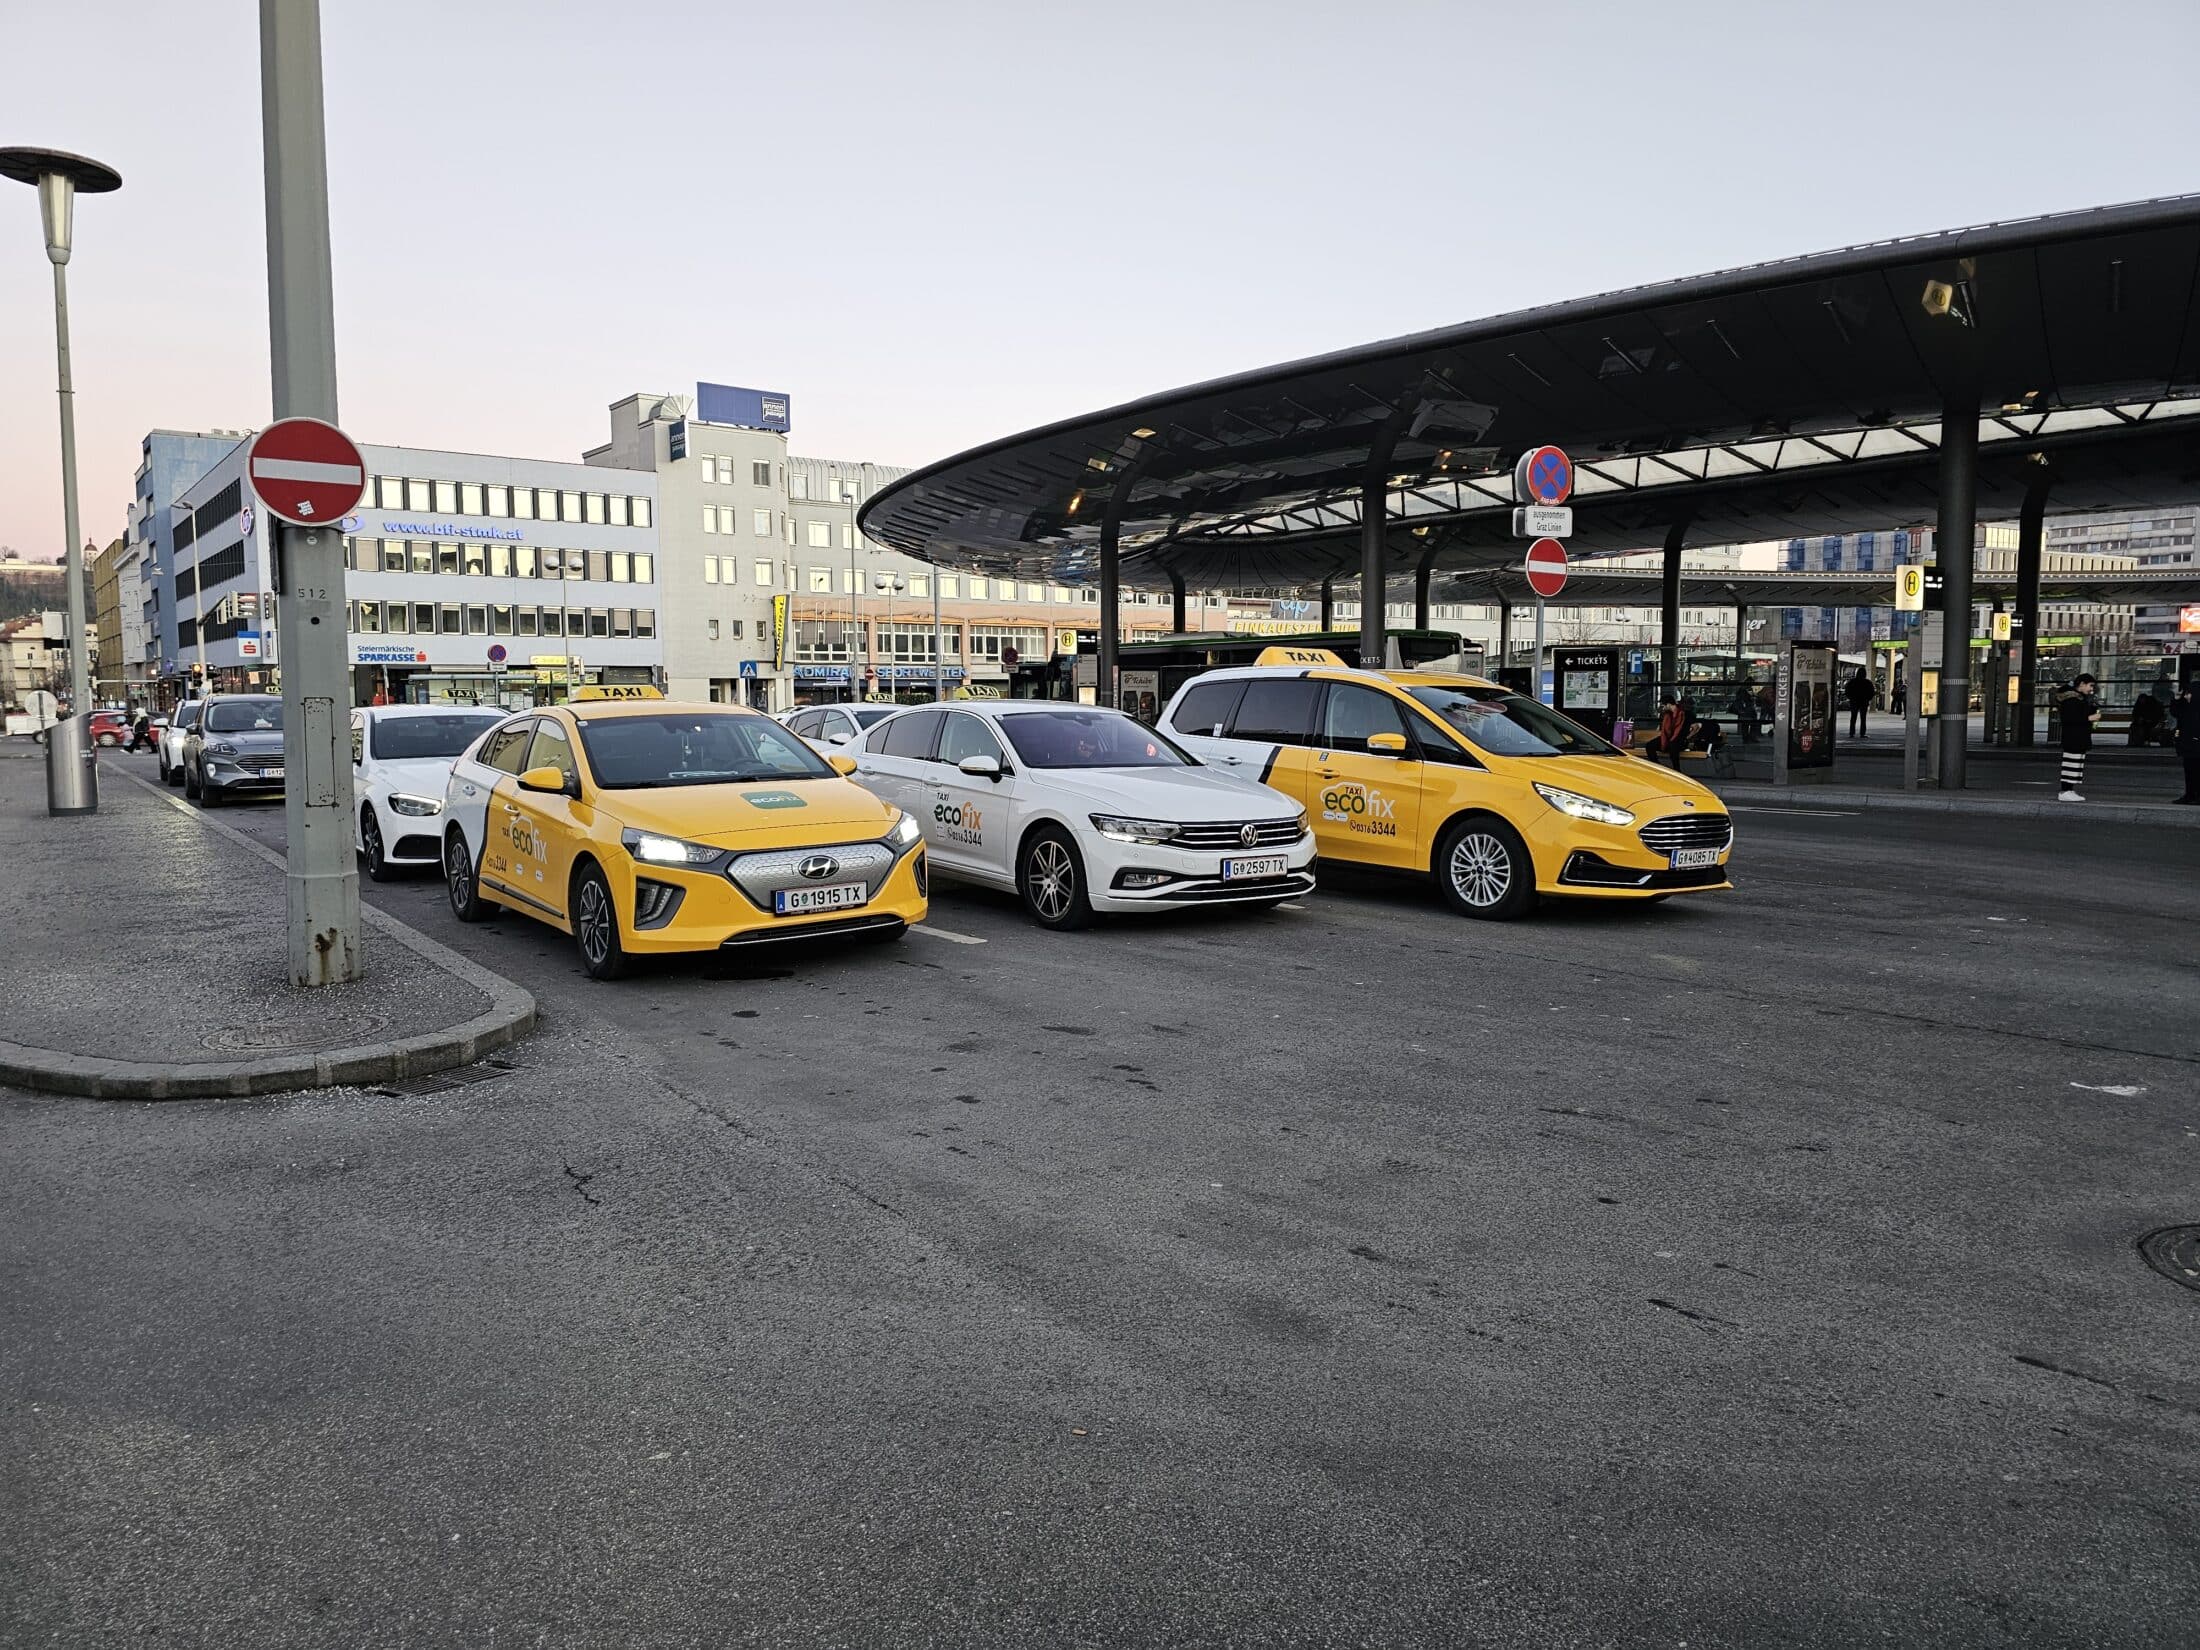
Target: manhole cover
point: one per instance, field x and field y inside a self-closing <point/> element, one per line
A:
<point x="2174" y="1252"/>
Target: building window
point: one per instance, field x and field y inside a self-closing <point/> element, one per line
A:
<point x="948" y="586"/>
<point x="500" y="561"/>
<point x="920" y="584"/>
<point x="725" y="470"/>
<point x="622" y="621"/>
<point x="821" y="581"/>
<point x="594" y="507"/>
<point x="393" y="555"/>
<point x="553" y="621"/>
<point x="820" y="534"/>
<point x="645" y="567"/>
<point x="446" y="558"/>
<point x="599" y="565"/>
<point x="421" y="554"/>
<point x="446" y="498"/>
<point x="523" y="503"/>
<point x="599" y="622"/>
<point x="710" y="519"/>
<point x="553" y="563"/>
<point x="725" y="519"/>
<point x="417" y="495"/>
<point x="500" y="621"/>
<point x="798" y="485"/>
<point x="710" y="569"/>
<point x="498" y="497"/>
<point x="523" y="561"/>
<point x="786" y="522"/>
<point x="397" y="620"/>
<point x="760" y="472"/>
<point x="622" y="567"/>
<point x="389" y="493"/>
<point x="370" y="618"/>
<point x="641" y="512"/>
<point x="476" y="558"/>
<point x="469" y="498"/>
<point x="764" y="574"/>
<point x="733" y="627"/>
<point x="618" y="503"/>
<point x="761" y="521"/>
<point x="526" y="621"/>
<point x="477" y="621"/>
<point x="423" y="618"/>
<point x="569" y="507"/>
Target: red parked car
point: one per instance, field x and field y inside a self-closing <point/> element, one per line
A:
<point x="110" y="727"/>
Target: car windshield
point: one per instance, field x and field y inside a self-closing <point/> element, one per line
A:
<point x="187" y="716"/>
<point x="1506" y="724"/>
<point x="873" y="713"/>
<point x="632" y="753"/>
<point x="410" y="738"/>
<point x="245" y="716"/>
<point x="1069" y="738"/>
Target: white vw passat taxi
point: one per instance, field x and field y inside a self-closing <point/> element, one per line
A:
<point x="401" y="758"/>
<point x="1081" y="809"/>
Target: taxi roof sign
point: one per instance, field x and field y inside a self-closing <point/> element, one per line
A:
<point x="631" y="691"/>
<point x="1299" y="656"/>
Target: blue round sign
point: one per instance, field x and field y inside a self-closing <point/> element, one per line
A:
<point x="1544" y="476"/>
<point x="496" y="653"/>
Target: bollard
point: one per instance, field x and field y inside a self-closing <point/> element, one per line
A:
<point x="72" y="771"/>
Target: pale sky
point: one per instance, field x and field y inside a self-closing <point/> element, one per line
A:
<point x="935" y="224"/>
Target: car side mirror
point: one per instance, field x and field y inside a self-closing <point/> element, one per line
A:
<point x="1391" y="744"/>
<point x="981" y="767"/>
<point x="838" y="738"/>
<point x="842" y="765"/>
<point x="547" y="779"/>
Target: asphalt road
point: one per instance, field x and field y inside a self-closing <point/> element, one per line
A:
<point x="1752" y="1270"/>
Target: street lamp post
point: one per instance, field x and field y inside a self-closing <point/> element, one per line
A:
<point x="891" y="584"/>
<point x="72" y="782"/>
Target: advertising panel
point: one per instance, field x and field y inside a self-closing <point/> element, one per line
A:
<point x="779" y="632"/>
<point x="748" y="409"/>
<point x="1803" y="707"/>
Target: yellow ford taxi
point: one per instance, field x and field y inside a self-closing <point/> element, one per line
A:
<point x="639" y="825"/>
<point x="1496" y="797"/>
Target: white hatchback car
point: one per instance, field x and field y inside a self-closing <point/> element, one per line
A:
<point x="1081" y="809"/>
<point x="168" y="748"/>
<point x="836" y="727"/>
<point x="401" y="759"/>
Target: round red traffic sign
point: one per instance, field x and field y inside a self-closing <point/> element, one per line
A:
<point x="1009" y="656"/>
<point x="1544" y="475"/>
<point x="306" y="472"/>
<point x="1546" y="567"/>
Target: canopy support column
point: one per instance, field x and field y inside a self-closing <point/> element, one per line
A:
<point x="1669" y="606"/>
<point x="1952" y="549"/>
<point x="1374" y="519"/>
<point x="1326" y="604"/>
<point x="1420" y="586"/>
<point x="2031" y="530"/>
<point x="1176" y="602"/>
<point x="1504" y="632"/>
<point x="1111" y="520"/>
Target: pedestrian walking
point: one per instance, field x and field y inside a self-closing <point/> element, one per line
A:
<point x="1858" y="692"/>
<point x="141" y="731"/>
<point x="1901" y="700"/>
<point x="2186" y="709"/>
<point x="2076" y="710"/>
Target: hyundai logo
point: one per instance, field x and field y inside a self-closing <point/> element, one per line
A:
<point x="818" y="867"/>
<point x="1248" y="835"/>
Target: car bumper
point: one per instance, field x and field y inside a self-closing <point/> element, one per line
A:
<point x="1579" y="857"/>
<point x="228" y="778"/>
<point x="711" y="914"/>
<point x="1129" y="876"/>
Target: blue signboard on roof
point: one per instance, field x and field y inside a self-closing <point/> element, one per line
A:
<point x="749" y="409"/>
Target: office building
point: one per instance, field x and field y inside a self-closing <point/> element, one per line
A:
<point x="169" y="462"/>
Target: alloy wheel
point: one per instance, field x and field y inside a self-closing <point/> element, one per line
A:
<point x="1053" y="880"/>
<point x="1481" y="869"/>
<point x="592" y="921"/>
<point x="458" y="871"/>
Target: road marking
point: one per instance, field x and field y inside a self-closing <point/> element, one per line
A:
<point x="1799" y="813"/>
<point x="947" y="934"/>
<point x="1300" y="909"/>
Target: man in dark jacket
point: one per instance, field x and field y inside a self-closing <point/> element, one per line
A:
<point x="2186" y="708"/>
<point x="1858" y="692"/>
<point x="2076" y="711"/>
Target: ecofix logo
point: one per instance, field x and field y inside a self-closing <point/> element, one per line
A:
<point x="1360" y="808"/>
<point x="962" y="822"/>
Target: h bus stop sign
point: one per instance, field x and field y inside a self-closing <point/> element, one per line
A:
<point x="306" y="472"/>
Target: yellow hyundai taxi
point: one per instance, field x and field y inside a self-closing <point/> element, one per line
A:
<point x="1496" y="797"/>
<point x="639" y="825"/>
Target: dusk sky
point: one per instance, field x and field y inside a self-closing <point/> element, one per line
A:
<point x="936" y="224"/>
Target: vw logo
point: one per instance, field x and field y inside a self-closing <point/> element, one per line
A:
<point x="818" y="867"/>
<point x="1248" y="835"/>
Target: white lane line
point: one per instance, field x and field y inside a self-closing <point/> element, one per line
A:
<point x="1799" y="813"/>
<point x="948" y="934"/>
<point x="1300" y="909"/>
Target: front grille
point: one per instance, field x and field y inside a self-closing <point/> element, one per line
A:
<point x="258" y="764"/>
<point x="1586" y="870"/>
<point x="762" y="875"/>
<point x="1677" y="831"/>
<point x="1267" y="833"/>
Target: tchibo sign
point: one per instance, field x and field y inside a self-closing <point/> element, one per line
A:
<point x="747" y="409"/>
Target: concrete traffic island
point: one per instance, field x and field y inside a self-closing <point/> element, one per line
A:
<point x="145" y="961"/>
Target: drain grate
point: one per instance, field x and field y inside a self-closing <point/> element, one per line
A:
<point x="2174" y="1251"/>
<point x="442" y="1082"/>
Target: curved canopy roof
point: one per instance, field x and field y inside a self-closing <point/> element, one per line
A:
<point x="1593" y="585"/>
<point x="1773" y="401"/>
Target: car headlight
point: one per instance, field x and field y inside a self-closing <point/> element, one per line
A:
<point x="653" y="849"/>
<point x="1301" y="823"/>
<point x="414" y="807"/>
<point x="905" y="832"/>
<point x="221" y="750"/>
<point x="1119" y="829"/>
<point x="1576" y="805"/>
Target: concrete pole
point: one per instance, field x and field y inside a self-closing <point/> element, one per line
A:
<point x="1327" y="606"/>
<point x="2031" y="531"/>
<point x="309" y="577"/>
<point x="1504" y="631"/>
<point x="1176" y="602"/>
<point x="1374" y="520"/>
<point x="1535" y="676"/>
<point x="1103" y="690"/>
<point x="1952" y="545"/>
<point x="1669" y="607"/>
<point x="939" y="644"/>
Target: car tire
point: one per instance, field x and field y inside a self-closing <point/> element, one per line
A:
<point x="1484" y="870"/>
<point x="1050" y="874"/>
<point x="108" y="740"/>
<point x="461" y="878"/>
<point x="200" y="793"/>
<point x="163" y="761"/>
<point x="596" y="925"/>
<point x="371" y="847"/>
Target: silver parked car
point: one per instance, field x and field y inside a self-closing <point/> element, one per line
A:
<point x="169" y="746"/>
<point x="236" y="749"/>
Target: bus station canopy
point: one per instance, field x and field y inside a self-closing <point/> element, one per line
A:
<point x="1600" y="584"/>
<point x="1780" y="400"/>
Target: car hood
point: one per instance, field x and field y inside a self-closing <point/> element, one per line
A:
<point x="249" y="741"/>
<point x="415" y="775"/>
<point x="795" y="812"/>
<point x="1189" y="796"/>
<point x="1631" y="781"/>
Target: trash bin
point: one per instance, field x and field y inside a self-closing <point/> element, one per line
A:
<point x="72" y="772"/>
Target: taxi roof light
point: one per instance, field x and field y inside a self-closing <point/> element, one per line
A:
<point x="631" y="690"/>
<point x="1300" y="656"/>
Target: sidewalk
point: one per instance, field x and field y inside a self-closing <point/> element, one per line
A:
<point x="145" y="960"/>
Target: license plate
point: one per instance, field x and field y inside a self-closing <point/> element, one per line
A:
<point x="1694" y="859"/>
<point x="1236" y="870"/>
<point x="789" y="902"/>
<point x="271" y="773"/>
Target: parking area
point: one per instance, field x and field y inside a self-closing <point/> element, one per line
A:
<point x="1756" y="1268"/>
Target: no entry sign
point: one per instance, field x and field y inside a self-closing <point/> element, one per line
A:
<point x="306" y="472"/>
<point x="1546" y="567"/>
<point x="1544" y="475"/>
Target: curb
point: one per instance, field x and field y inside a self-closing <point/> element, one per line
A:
<point x="2161" y="815"/>
<point x="509" y="1017"/>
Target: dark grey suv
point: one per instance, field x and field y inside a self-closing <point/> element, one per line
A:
<point x="236" y="749"/>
